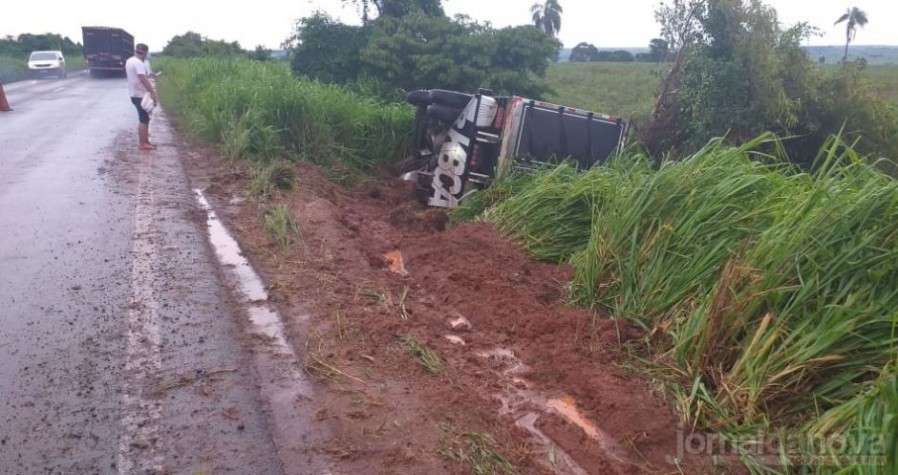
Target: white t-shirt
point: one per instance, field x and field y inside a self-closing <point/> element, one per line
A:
<point x="133" y="68"/>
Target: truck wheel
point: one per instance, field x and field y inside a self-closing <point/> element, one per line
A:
<point x="443" y="113"/>
<point x="423" y="97"/>
<point x="450" y="98"/>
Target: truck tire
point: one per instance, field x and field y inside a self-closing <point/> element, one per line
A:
<point x="423" y="97"/>
<point x="450" y="98"/>
<point x="443" y="113"/>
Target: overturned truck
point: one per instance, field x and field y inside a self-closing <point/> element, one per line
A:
<point x="461" y="139"/>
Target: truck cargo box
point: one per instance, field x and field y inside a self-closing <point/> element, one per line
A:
<point x="106" y="49"/>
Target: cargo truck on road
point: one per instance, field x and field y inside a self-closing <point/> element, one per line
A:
<point x="106" y="49"/>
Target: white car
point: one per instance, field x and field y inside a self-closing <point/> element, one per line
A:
<point x="43" y="63"/>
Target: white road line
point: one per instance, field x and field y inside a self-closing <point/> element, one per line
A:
<point x="138" y="444"/>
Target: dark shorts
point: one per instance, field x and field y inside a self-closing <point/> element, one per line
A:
<point x="141" y="114"/>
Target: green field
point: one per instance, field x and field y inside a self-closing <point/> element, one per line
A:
<point x="886" y="80"/>
<point x="621" y="89"/>
<point x="628" y="89"/>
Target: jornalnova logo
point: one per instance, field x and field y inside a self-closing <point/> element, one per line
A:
<point x="792" y="448"/>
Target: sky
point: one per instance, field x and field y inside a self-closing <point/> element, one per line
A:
<point x="606" y="24"/>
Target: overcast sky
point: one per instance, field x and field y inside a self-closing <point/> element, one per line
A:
<point x="606" y="24"/>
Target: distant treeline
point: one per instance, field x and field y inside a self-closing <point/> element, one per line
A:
<point x="21" y="46"/>
<point x="874" y="55"/>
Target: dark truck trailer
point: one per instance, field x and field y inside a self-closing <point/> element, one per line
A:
<point x="461" y="139"/>
<point x="106" y="49"/>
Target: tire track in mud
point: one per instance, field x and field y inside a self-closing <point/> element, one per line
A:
<point x="141" y="412"/>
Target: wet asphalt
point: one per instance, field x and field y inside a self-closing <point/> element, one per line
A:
<point x="120" y="349"/>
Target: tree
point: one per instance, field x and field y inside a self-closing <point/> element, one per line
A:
<point x="397" y="8"/>
<point x="617" y="56"/>
<point x="261" y="53"/>
<point x="195" y="45"/>
<point x="421" y="52"/>
<point x="854" y="17"/>
<point x="25" y="43"/>
<point x="739" y="74"/>
<point x="658" y="50"/>
<point x="680" y="22"/>
<point x="328" y="50"/>
<point x="584" y="52"/>
<point x="547" y="17"/>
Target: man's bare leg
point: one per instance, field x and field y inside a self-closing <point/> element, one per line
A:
<point x="143" y="135"/>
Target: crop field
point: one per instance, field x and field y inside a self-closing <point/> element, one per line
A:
<point x="621" y="89"/>
<point x="886" y="80"/>
<point x="628" y="89"/>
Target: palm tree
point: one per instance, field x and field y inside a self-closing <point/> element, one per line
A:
<point x="855" y="17"/>
<point x="547" y="17"/>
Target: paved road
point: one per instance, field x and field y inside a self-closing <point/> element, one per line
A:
<point x="119" y="351"/>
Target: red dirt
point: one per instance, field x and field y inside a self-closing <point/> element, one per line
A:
<point x="383" y="413"/>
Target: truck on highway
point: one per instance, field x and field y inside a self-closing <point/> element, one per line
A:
<point x="106" y="49"/>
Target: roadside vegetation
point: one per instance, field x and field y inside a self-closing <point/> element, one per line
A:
<point x="14" y="53"/>
<point x="767" y="293"/>
<point x="750" y="230"/>
<point x="260" y="111"/>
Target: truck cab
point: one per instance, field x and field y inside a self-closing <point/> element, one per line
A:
<point x="460" y="139"/>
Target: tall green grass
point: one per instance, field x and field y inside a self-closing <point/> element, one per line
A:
<point x="12" y="69"/>
<point x="773" y="292"/>
<point x="259" y="110"/>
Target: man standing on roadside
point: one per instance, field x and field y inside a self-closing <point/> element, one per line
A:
<point x="138" y="86"/>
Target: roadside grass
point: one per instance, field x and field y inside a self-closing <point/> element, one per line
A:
<point x="280" y="223"/>
<point x="260" y="111"/>
<point x="478" y="451"/>
<point x="385" y="301"/>
<point x="270" y="179"/>
<point x="767" y="292"/>
<point x="12" y="69"/>
<point x="428" y="359"/>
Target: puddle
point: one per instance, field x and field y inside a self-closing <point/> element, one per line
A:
<point x="567" y="408"/>
<point x="455" y="340"/>
<point x="556" y="459"/>
<point x="525" y="404"/>
<point x="460" y="323"/>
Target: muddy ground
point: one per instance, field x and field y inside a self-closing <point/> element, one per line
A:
<point x="522" y="377"/>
